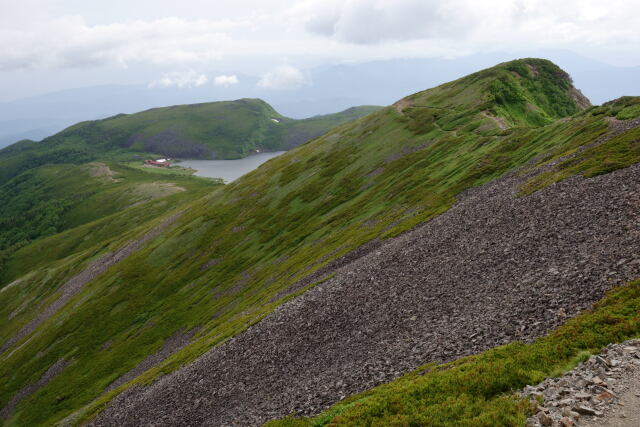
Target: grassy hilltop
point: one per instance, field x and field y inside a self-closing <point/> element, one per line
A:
<point x="215" y="130"/>
<point x="226" y="261"/>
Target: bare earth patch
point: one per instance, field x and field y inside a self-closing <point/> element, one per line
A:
<point x="499" y="121"/>
<point x="101" y="170"/>
<point x="402" y="104"/>
<point x="582" y="101"/>
<point x="153" y="190"/>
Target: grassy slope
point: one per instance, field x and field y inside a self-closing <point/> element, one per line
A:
<point x="618" y="152"/>
<point x="49" y="200"/>
<point x="225" y="130"/>
<point x="374" y="177"/>
<point x="479" y="390"/>
<point x="68" y="146"/>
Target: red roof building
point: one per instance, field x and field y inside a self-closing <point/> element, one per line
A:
<point x="161" y="163"/>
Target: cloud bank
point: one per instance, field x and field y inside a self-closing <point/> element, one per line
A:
<point x="375" y="21"/>
<point x="58" y="36"/>
<point x="501" y="22"/>
<point x="224" y="80"/>
<point x="70" y="42"/>
<point x="284" y="77"/>
<point x="184" y="79"/>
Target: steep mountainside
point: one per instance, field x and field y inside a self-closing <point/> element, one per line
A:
<point x="307" y="279"/>
<point x="216" y="130"/>
<point x="465" y="282"/>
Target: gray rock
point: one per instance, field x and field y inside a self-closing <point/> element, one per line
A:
<point x="586" y="410"/>
<point x="603" y="362"/>
<point x="545" y="419"/>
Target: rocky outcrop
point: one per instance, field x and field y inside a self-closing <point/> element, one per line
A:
<point x="493" y="269"/>
<point x="588" y="391"/>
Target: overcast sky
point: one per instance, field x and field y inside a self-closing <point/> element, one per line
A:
<point x="48" y="45"/>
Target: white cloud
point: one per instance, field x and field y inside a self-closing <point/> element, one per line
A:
<point x="284" y="77"/>
<point x="181" y="79"/>
<point x="374" y="21"/>
<point x="70" y="42"/>
<point x="224" y="80"/>
<point x="471" y="23"/>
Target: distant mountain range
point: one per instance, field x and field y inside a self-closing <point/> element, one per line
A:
<point x="331" y="88"/>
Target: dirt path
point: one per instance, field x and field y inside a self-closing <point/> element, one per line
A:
<point x="77" y="282"/>
<point x="626" y="412"/>
<point x="403" y="104"/>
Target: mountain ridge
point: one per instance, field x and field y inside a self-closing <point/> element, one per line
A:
<point x="224" y="130"/>
<point x="335" y="87"/>
<point x="524" y="92"/>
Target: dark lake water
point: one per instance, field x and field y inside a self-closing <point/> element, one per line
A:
<point x="229" y="170"/>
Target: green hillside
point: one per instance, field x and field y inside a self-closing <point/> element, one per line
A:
<point x="227" y="261"/>
<point x="49" y="200"/>
<point x="216" y="130"/>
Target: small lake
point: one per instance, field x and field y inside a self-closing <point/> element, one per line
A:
<point x="229" y="170"/>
